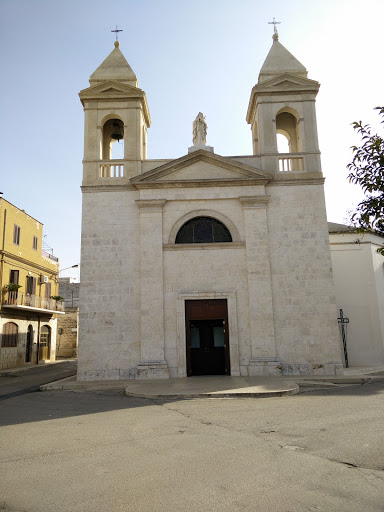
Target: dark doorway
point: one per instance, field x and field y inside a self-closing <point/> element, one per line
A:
<point x="28" y="346"/>
<point x="207" y="337"/>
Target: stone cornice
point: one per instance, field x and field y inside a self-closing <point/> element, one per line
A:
<point x="207" y="246"/>
<point x="28" y="263"/>
<point x="297" y="178"/>
<point x="153" y="205"/>
<point x="254" y="201"/>
<point x="225" y="182"/>
<point x="90" y="189"/>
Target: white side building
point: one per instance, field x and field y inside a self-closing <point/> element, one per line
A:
<point x="358" y="271"/>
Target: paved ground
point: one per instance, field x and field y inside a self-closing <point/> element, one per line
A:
<point x="29" y="379"/>
<point x="63" y="451"/>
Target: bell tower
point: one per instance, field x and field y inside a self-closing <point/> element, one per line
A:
<point x="283" y="102"/>
<point x="116" y="112"/>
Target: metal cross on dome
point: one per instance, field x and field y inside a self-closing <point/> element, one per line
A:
<point x="120" y="30"/>
<point x="274" y="23"/>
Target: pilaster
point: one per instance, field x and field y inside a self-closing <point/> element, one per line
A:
<point x="263" y="349"/>
<point x="152" y="364"/>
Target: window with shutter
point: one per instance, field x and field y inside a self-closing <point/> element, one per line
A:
<point x="35" y="242"/>
<point x="48" y="290"/>
<point x="14" y="277"/>
<point x="9" y="338"/>
<point x="31" y="285"/>
<point x="16" y="234"/>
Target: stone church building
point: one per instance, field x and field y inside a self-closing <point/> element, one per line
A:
<point x="207" y="264"/>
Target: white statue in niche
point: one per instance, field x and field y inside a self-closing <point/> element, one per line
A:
<point x="199" y="130"/>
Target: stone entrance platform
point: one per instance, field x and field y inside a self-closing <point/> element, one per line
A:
<point x="191" y="387"/>
<point x="222" y="386"/>
<point x="214" y="387"/>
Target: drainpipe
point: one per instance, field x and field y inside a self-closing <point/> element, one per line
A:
<point x="2" y="258"/>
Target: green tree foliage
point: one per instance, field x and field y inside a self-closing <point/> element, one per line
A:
<point x="367" y="170"/>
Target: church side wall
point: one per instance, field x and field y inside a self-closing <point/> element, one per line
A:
<point x="109" y="317"/>
<point x="305" y="314"/>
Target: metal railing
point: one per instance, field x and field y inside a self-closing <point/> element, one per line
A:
<point x="34" y="301"/>
<point x="50" y="256"/>
<point x="112" y="170"/>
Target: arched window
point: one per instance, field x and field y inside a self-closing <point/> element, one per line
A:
<point x="9" y="338"/>
<point x="201" y="230"/>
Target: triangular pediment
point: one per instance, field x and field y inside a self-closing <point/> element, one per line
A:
<point x="201" y="168"/>
<point x="287" y="80"/>
<point x="286" y="84"/>
<point x="111" y="88"/>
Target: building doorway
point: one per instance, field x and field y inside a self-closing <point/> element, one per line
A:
<point x="45" y="343"/>
<point x="28" y="346"/>
<point x="207" y="337"/>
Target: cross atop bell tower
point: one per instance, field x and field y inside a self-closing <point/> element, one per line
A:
<point x="117" y="30"/>
<point x="275" y="36"/>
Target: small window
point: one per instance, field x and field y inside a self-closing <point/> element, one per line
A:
<point x="14" y="277"/>
<point x="9" y="338"/>
<point x="48" y="291"/>
<point x="35" y="240"/>
<point x="16" y="234"/>
<point x="31" y="285"/>
<point x="203" y="230"/>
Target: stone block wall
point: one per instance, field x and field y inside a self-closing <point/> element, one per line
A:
<point x="300" y="320"/>
<point x="67" y="341"/>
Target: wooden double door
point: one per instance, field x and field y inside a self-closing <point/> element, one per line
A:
<point x="207" y="337"/>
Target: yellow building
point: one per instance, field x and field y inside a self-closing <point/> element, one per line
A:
<point x="29" y="291"/>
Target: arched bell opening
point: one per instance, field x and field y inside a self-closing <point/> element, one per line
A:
<point x="113" y="140"/>
<point x="287" y="133"/>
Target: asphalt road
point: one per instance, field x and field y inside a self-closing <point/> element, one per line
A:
<point x="63" y="451"/>
<point x="27" y="380"/>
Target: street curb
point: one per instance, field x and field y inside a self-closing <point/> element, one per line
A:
<point x="184" y="396"/>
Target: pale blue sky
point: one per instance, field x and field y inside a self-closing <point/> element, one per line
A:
<point x="188" y="57"/>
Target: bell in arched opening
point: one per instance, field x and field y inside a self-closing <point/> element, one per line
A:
<point x="113" y="130"/>
<point x="117" y="130"/>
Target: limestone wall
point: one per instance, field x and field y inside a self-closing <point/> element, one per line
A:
<point x="132" y="310"/>
<point x="109" y="320"/>
<point x="67" y="341"/>
<point x="305" y="314"/>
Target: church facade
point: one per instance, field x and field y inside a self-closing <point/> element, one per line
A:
<point x="205" y="265"/>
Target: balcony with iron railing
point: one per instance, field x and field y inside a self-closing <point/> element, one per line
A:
<point x="28" y="302"/>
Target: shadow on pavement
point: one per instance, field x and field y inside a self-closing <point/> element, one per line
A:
<point x="49" y="405"/>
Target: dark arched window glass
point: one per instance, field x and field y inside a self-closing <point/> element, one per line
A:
<point x="203" y="230"/>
